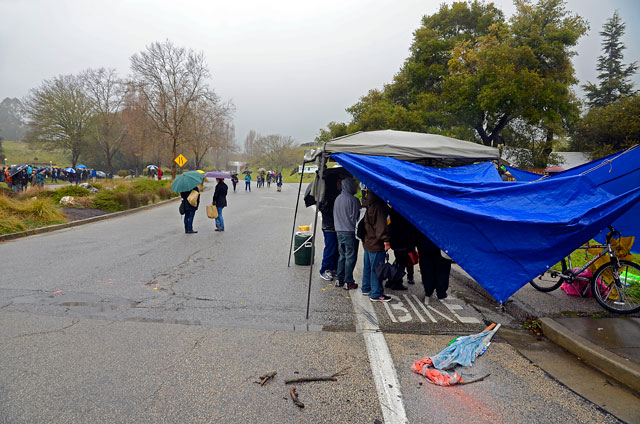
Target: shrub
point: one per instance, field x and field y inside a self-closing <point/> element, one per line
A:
<point x="123" y="173"/>
<point x="107" y="200"/>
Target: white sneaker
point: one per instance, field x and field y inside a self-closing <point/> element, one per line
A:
<point x="326" y="275"/>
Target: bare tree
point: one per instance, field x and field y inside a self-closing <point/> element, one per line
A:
<point x="106" y="91"/>
<point x="276" y="151"/>
<point x="59" y="112"/>
<point x="205" y="127"/>
<point x="250" y="144"/>
<point x="171" y="79"/>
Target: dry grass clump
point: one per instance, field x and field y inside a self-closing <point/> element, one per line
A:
<point x="19" y="214"/>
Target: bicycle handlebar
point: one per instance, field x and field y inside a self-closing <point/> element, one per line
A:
<point x="613" y="232"/>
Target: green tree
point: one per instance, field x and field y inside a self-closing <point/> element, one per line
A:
<point x="517" y="71"/>
<point x="334" y="130"/>
<point x="613" y="76"/>
<point x="59" y="113"/>
<point x="412" y="102"/>
<point x="607" y="129"/>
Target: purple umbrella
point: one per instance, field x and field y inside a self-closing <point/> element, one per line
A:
<point x="217" y="174"/>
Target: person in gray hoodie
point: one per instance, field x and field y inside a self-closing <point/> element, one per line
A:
<point x="346" y="211"/>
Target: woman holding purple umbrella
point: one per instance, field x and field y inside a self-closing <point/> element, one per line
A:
<point x="220" y="201"/>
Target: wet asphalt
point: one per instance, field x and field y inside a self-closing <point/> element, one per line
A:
<point x="131" y="320"/>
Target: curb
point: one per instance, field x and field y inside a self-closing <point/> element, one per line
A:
<point x="513" y="307"/>
<point x="623" y="370"/>
<point x="51" y="228"/>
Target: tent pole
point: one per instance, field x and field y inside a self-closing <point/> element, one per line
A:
<point x="323" y="162"/>
<point x="295" y="215"/>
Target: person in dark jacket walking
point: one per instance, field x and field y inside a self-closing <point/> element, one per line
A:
<point x="189" y="211"/>
<point x="220" y="201"/>
<point x="377" y="241"/>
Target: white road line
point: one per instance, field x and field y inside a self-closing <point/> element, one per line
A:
<point x="440" y="313"/>
<point x="455" y="307"/>
<point x="414" y="308"/>
<point x="426" y="311"/>
<point x="386" y="306"/>
<point x="382" y="367"/>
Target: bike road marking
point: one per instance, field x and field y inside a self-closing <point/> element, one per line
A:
<point x="426" y="311"/>
<point x="414" y="308"/>
<point x="454" y="307"/>
<point x="382" y="367"/>
<point x="393" y="317"/>
<point x="426" y="301"/>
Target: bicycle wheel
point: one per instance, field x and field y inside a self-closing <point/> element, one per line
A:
<point x="550" y="280"/>
<point x="617" y="289"/>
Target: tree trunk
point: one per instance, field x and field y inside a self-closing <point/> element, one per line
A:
<point x="173" y="163"/>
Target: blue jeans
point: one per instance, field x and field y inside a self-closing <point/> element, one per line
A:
<point x="219" y="220"/>
<point x="330" y="253"/>
<point x="247" y="185"/>
<point x="348" y="251"/>
<point x="188" y="219"/>
<point x="370" y="282"/>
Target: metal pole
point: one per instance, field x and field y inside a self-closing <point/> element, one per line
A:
<point x="323" y="161"/>
<point x="293" y="230"/>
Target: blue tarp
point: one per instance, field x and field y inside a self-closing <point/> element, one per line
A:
<point x="617" y="174"/>
<point x="502" y="233"/>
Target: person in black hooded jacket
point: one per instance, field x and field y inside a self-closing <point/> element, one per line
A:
<point x="220" y="201"/>
<point x="189" y="211"/>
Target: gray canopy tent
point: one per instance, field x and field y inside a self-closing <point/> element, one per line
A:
<point x="425" y="149"/>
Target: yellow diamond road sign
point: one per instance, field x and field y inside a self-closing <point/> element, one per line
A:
<point x="180" y="160"/>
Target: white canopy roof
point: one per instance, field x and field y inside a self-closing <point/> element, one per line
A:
<point x="405" y="145"/>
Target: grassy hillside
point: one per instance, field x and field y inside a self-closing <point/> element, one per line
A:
<point x="20" y="152"/>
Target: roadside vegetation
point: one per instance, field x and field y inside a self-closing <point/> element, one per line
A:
<point x="37" y="208"/>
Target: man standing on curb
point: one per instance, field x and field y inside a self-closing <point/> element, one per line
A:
<point x="346" y="210"/>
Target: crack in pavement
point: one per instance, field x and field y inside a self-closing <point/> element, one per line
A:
<point x="74" y="321"/>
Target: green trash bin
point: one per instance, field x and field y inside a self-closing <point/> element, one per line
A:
<point x="302" y="248"/>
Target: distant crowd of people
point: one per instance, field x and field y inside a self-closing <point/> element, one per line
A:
<point x="380" y="229"/>
<point x="19" y="177"/>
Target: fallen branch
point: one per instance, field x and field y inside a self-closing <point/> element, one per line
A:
<point x="294" y="397"/>
<point x="267" y="377"/>
<point x="475" y="380"/>
<point x="331" y="377"/>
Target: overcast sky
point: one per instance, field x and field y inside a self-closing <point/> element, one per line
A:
<point x="290" y="66"/>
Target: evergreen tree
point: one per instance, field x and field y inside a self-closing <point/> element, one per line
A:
<point x="613" y="75"/>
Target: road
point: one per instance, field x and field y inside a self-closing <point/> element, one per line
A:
<point x="131" y="320"/>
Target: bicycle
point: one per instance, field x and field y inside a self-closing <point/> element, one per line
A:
<point x="615" y="285"/>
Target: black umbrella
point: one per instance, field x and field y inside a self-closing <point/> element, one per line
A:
<point x="246" y="171"/>
<point x="16" y="168"/>
<point x="386" y="271"/>
<point x="293" y="171"/>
